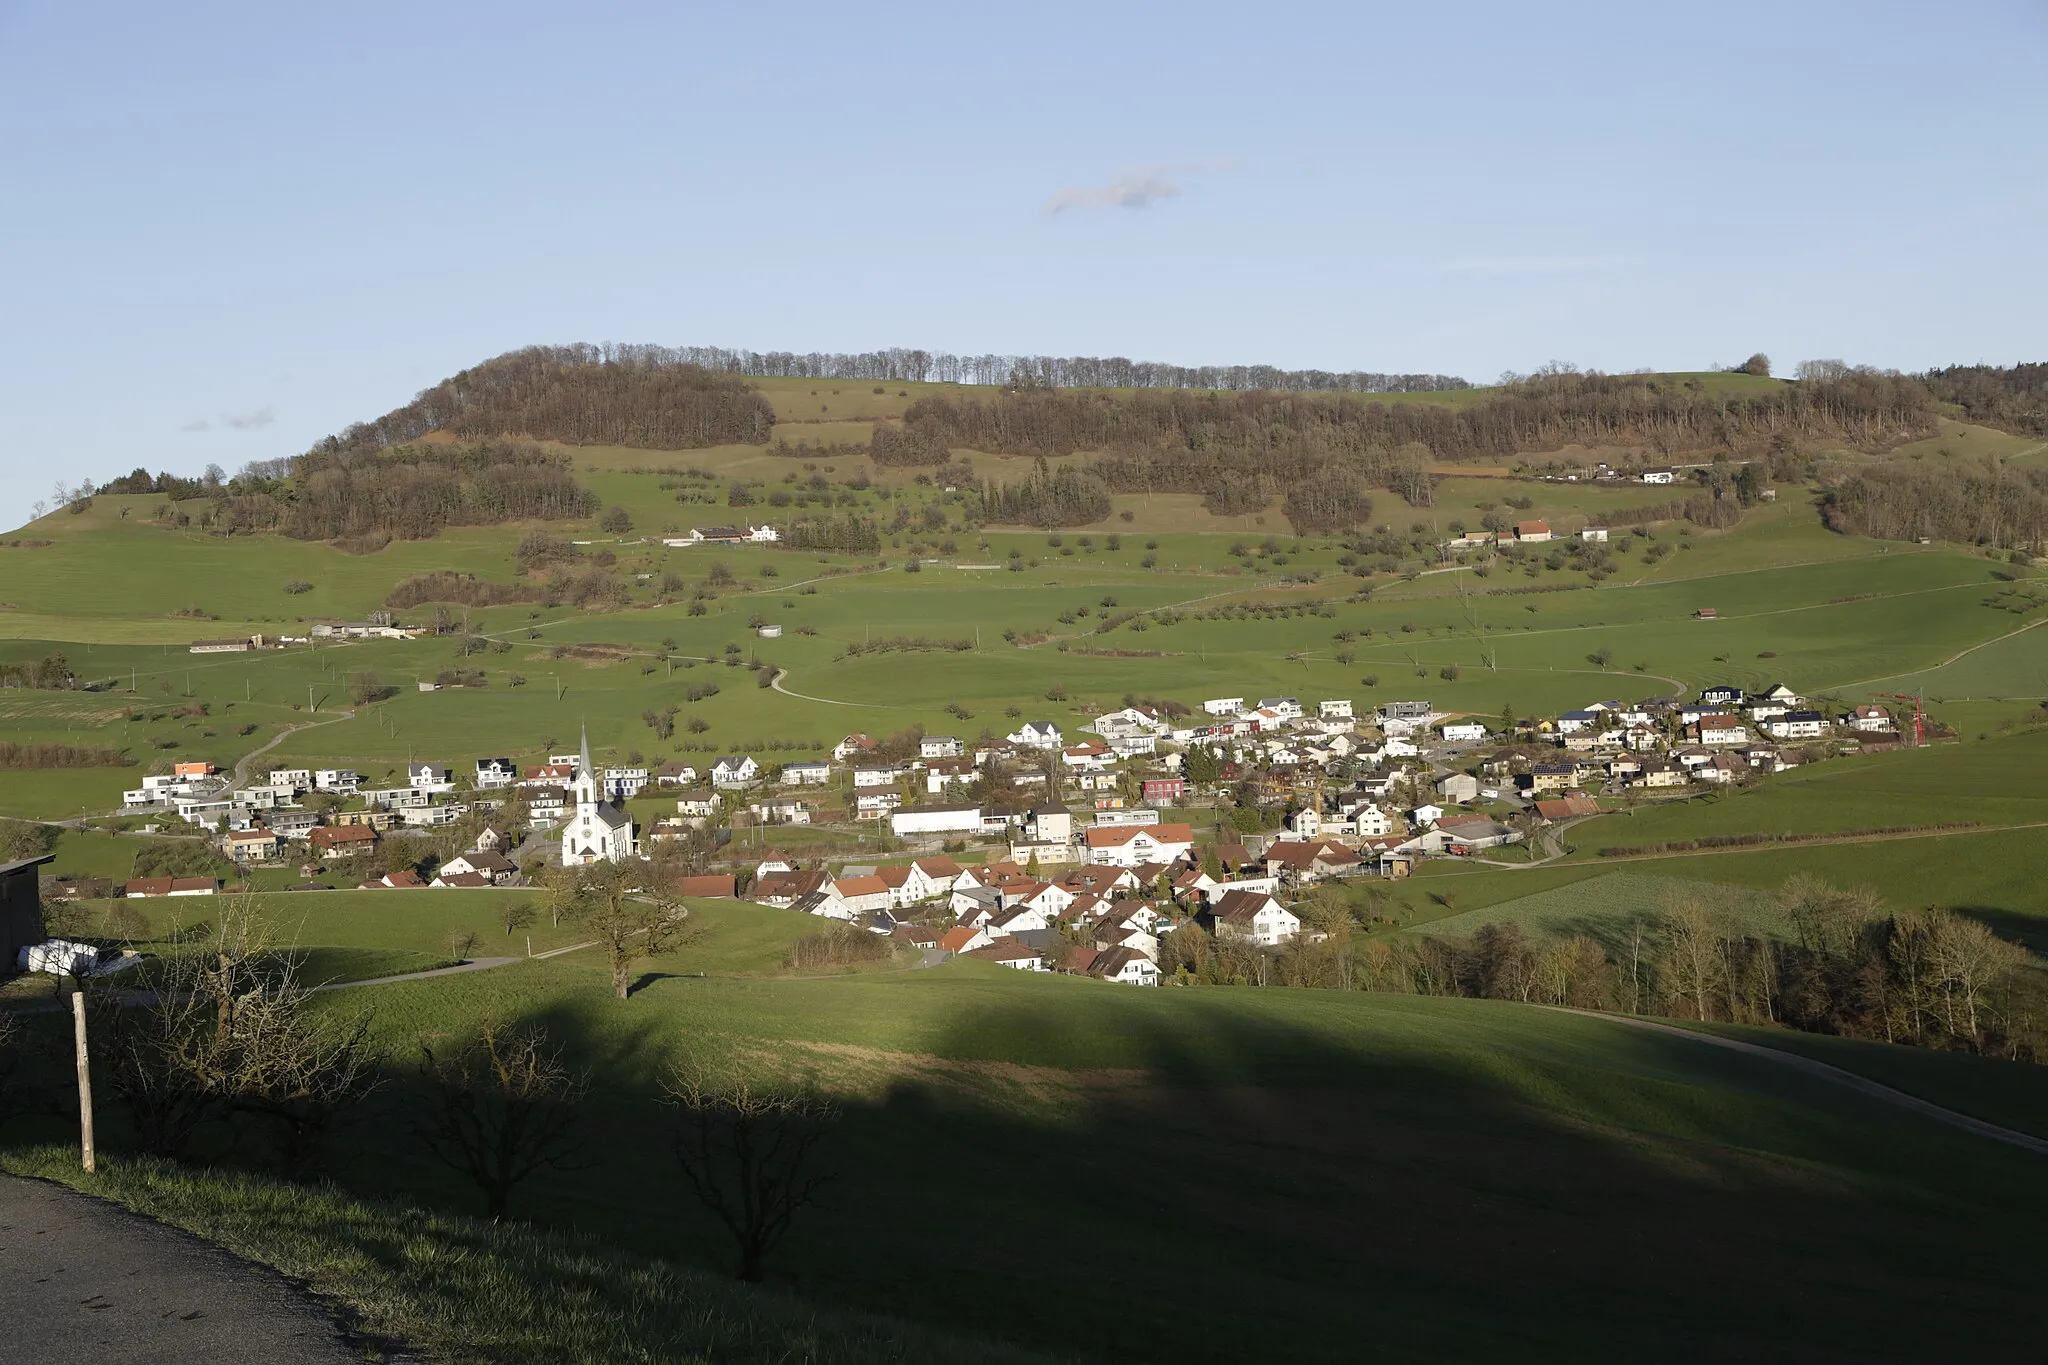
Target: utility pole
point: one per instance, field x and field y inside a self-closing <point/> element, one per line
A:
<point x="84" y="1081"/>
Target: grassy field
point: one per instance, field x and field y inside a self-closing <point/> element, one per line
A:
<point x="1058" y="1135"/>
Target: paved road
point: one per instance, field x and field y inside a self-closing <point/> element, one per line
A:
<point x="83" y="1282"/>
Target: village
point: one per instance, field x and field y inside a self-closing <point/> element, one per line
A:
<point x="1041" y="850"/>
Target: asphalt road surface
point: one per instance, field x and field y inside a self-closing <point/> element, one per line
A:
<point x="83" y="1282"/>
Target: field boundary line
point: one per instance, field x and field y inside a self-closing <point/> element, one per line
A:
<point x="1960" y="654"/>
<point x="1863" y="1085"/>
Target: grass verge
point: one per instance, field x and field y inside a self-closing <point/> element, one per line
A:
<point x="461" y="1289"/>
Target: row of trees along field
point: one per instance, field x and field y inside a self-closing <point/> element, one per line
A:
<point x="905" y="364"/>
<point x="408" y="493"/>
<point x="1848" y="966"/>
<point x="580" y="395"/>
<point x="1968" y="500"/>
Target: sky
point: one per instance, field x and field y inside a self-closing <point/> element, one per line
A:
<point x="229" y="230"/>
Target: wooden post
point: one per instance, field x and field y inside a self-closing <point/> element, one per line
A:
<point x="84" y="1081"/>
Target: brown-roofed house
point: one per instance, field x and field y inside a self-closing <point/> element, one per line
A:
<point x="713" y="884"/>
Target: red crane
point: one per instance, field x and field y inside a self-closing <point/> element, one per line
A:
<point x="1919" y="713"/>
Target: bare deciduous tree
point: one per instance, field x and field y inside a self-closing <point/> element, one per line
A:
<point x="632" y="922"/>
<point x="749" y="1154"/>
<point x="502" y="1106"/>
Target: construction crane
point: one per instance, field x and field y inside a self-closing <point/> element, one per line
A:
<point x="1919" y="713"/>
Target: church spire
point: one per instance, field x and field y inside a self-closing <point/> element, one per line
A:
<point x="585" y="766"/>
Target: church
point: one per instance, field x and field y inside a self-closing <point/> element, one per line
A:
<point x="598" y="831"/>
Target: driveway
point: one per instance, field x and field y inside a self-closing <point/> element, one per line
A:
<point x="83" y="1282"/>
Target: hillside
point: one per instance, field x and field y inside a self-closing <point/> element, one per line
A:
<point x="1092" y="1145"/>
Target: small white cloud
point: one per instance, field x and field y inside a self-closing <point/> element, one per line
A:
<point x="262" y="417"/>
<point x="1136" y="187"/>
<point x="197" y="424"/>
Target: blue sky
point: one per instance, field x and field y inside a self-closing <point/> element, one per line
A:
<point x="226" y="230"/>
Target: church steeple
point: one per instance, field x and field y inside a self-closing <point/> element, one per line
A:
<point x="585" y="785"/>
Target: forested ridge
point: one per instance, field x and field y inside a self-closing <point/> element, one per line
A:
<point x="1975" y="501"/>
<point x="2013" y="399"/>
<point x="408" y="493"/>
<point x="578" y="395"/>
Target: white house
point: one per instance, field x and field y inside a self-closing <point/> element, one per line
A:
<point x="1134" y="845"/>
<point x="736" y="771"/>
<point x="873" y="805"/>
<point x="427" y="776"/>
<point x="870" y="777"/>
<point x="1128" y="720"/>
<point x="495" y="773"/>
<point x="1593" y="533"/>
<point x="1223" y="706"/>
<point x="1660" y="476"/>
<point x="1797" y="725"/>
<point x="296" y="778"/>
<point x="1335" y="709"/>
<point x="1256" y="916"/>
<point x="336" y="779"/>
<point x="624" y="782"/>
<point x="1125" y="966"/>
<point x="1287" y="708"/>
<point x="1464" y="732"/>
<point x="807" y="774"/>
<point x="1720" y="729"/>
<point x="1036" y="734"/>
<point x="1870" y="720"/>
<point x="940" y="746"/>
<point x="1426" y="815"/>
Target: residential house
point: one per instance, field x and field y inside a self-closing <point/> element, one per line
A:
<point x="495" y="869"/>
<point x="1308" y="862"/>
<point x="1035" y="734"/>
<point x="1720" y="728"/>
<point x="862" y="894"/>
<point x="1050" y="823"/>
<point x="495" y="773"/>
<point x="1125" y="966"/>
<point x="1093" y="756"/>
<point x="675" y="773"/>
<point x="1426" y="815"/>
<point x="940" y="746"/>
<point x="963" y="938"/>
<point x="781" y="810"/>
<point x="868" y="776"/>
<point x="427" y="776"/>
<point x="1254" y="916"/>
<point x="1165" y="791"/>
<point x="735" y="771"/>
<point x="1464" y="732"/>
<point x="626" y="782"/>
<point x="341" y="841"/>
<point x="1593" y="533"/>
<point x="852" y="746"/>
<point x="1013" y="953"/>
<point x="1336" y="708"/>
<point x="1223" y="706"/>
<point x="784" y="889"/>
<point x="1129" y="720"/>
<point x="1131" y="845"/>
<point x="1660" y="475"/>
<point x="876" y="805"/>
<point x="296" y="779"/>
<point x="1797" y="725"/>
<point x="1286" y="708"/>
<point x="1530" y="532"/>
<point x="1657" y="774"/>
<point x="250" y="846"/>
<point x="699" y="804"/>
<point x="807" y="774"/>
<point x="1871" y="720"/>
<point x="1721" y="695"/>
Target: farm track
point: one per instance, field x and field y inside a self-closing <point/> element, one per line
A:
<point x="1863" y="1085"/>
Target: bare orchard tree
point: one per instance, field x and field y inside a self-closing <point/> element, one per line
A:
<point x="501" y="1107"/>
<point x="749" y="1154"/>
<point x="632" y="922"/>
<point x="231" y="1029"/>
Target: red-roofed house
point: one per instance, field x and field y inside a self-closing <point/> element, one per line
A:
<point x="1131" y="845"/>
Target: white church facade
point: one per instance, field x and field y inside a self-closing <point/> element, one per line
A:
<point x="597" y="831"/>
